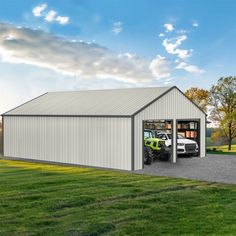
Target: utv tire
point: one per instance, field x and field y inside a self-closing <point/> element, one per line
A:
<point x="165" y="154"/>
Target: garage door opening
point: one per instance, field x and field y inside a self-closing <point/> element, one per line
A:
<point x="157" y="136"/>
<point x="188" y="138"/>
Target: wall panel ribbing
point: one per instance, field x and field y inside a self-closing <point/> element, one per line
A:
<point x="173" y="105"/>
<point x="91" y="141"/>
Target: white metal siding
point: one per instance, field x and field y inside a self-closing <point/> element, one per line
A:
<point x="92" y="141"/>
<point x="173" y="105"/>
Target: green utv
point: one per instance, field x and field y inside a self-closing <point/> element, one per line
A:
<point x="150" y="141"/>
<point x="158" y="146"/>
<point x="154" y="143"/>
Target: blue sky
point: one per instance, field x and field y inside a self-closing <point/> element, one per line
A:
<point x="68" y="45"/>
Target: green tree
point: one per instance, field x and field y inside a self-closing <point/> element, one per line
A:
<point x="199" y="96"/>
<point x="223" y="101"/>
<point x="218" y="137"/>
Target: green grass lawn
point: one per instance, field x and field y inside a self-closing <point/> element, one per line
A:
<point x="40" y="199"/>
<point x="223" y="149"/>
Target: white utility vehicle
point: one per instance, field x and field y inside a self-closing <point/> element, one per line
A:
<point x="184" y="145"/>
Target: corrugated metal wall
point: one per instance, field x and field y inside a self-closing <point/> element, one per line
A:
<point x="173" y="105"/>
<point x="92" y="141"/>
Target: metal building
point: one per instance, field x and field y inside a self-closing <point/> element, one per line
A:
<point x="101" y="128"/>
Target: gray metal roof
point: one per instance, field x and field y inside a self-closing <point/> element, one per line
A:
<point x="114" y="102"/>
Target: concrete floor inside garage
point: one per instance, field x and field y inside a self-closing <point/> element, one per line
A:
<point x="213" y="168"/>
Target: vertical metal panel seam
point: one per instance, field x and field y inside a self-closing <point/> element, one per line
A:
<point x="199" y="135"/>
<point x="3" y="135"/>
<point x="176" y="140"/>
<point x="172" y="135"/>
<point x="143" y="144"/>
<point x="205" y="135"/>
<point x="132" y="143"/>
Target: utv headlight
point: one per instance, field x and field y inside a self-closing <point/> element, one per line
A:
<point x="180" y="144"/>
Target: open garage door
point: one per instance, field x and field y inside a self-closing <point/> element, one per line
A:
<point x="188" y="132"/>
<point x="158" y="136"/>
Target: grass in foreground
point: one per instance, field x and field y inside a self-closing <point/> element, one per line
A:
<point x="223" y="150"/>
<point x="40" y="199"/>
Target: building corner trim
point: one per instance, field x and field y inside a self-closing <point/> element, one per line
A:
<point x="3" y="135"/>
<point x="132" y="143"/>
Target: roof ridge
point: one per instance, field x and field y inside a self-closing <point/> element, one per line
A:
<point x="113" y="89"/>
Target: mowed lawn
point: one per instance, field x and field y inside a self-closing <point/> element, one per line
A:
<point x="40" y="199"/>
<point x="224" y="149"/>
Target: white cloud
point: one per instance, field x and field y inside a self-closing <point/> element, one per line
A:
<point x="168" y="81"/>
<point x="117" y="28"/>
<point x="183" y="53"/>
<point x="127" y="54"/>
<point x="182" y="31"/>
<point x="51" y="16"/>
<point x="161" y="35"/>
<point x="63" y="20"/>
<point x="190" y="68"/>
<point x="171" y="45"/>
<point x="37" y="11"/>
<point x="160" y="67"/>
<point x="87" y="61"/>
<point x="176" y="60"/>
<point x="169" y="27"/>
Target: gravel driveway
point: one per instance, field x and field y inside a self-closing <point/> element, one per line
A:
<point x="214" y="168"/>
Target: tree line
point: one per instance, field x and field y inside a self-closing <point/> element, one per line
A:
<point x="220" y="104"/>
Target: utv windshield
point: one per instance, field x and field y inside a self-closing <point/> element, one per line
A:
<point x="148" y="134"/>
<point x="179" y="136"/>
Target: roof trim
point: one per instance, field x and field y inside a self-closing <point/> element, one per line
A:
<point x="4" y="114"/>
<point x="163" y="94"/>
<point x="191" y="101"/>
<point x="98" y="116"/>
<point x="154" y="100"/>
